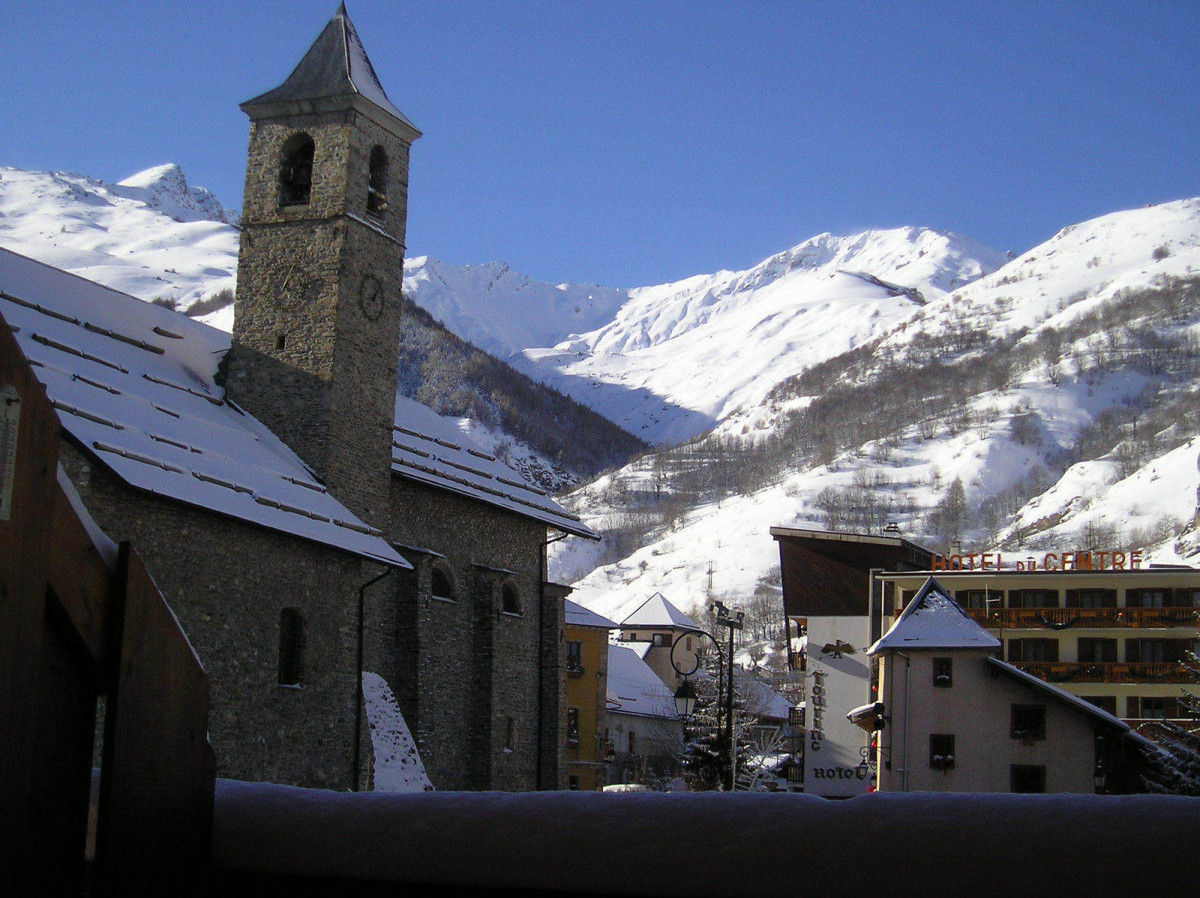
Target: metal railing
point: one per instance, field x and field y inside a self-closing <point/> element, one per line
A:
<point x="1106" y="671"/>
<point x="1085" y="618"/>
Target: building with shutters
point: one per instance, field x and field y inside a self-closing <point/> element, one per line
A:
<point x="1115" y="638"/>
<point x="951" y="716"/>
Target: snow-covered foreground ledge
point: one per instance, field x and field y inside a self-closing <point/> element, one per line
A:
<point x="709" y="843"/>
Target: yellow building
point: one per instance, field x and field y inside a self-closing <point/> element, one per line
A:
<point x="1112" y="637"/>
<point x="587" y="689"/>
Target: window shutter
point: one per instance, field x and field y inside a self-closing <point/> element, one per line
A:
<point x="1133" y="598"/>
<point x="1133" y="650"/>
<point x="1072" y="598"/>
<point x="1051" y="649"/>
<point x="1014" y="649"/>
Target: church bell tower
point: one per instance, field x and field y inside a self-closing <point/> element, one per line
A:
<point x="320" y="267"/>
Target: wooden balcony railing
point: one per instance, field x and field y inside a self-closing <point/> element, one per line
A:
<point x="1095" y="618"/>
<point x="1106" y="671"/>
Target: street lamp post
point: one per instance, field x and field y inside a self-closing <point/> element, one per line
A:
<point x="685" y="695"/>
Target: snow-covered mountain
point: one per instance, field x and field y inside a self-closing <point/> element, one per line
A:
<point x="151" y="235"/>
<point x="848" y="381"/>
<point x="155" y="237"/>
<point x="668" y="362"/>
<point x="1071" y="419"/>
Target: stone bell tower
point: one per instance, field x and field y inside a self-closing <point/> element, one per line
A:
<point x="316" y="326"/>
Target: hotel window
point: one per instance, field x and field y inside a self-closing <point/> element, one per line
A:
<point x="1148" y="598"/>
<point x="1097" y="650"/>
<point x="1027" y="778"/>
<point x="1153" y="707"/>
<point x="1033" y="598"/>
<point x="572" y="726"/>
<point x="1033" y="650"/>
<point x="1091" y="598"/>
<point x="1028" y="722"/>
<point x="976" y="598"/>
<point x="941" y="751"/>
<point x="1157" y="651"/>
<point x="1103" y="702"/>
<point x="943" y="672"/>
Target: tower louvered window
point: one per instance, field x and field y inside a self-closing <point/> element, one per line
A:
<point x="295" y="179"/>
<point x="377" y="183"/>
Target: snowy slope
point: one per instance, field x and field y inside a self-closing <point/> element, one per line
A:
<point x="151" y="235"/>
<point x="503" y="311"/>
<point x="668" y="362"/>
<point x="1080" y="271"/>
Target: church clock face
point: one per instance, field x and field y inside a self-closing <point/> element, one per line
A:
<point x="296" y="290"/>
<point x="370" y="297"/>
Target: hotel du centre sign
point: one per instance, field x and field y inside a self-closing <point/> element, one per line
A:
<point x="1051" y="561"/>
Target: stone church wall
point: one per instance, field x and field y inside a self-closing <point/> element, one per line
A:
<point x="473" y="702"/>
<point x="227" y="582"/>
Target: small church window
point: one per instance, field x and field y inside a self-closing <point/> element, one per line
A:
<point x="291" y="646"/>
<point x="377" y="183"/>
<point x="295" y="180"/>
<point x="441" y="586"/>
<point x="510" y="599"/>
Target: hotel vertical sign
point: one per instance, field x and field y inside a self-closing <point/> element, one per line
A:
<point x="838" y="680"/>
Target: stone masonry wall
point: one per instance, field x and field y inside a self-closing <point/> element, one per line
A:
<point x="318" y="314"/>
<point x="475" y="709"/>
<point x="227" y="582"/>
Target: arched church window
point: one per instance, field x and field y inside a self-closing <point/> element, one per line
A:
<point x="442" y="585"/>
<point x="377" y="183"/>
<point x="291" y="647"/>
<point x="510" y="599"/>
<point x="295" y="179"/>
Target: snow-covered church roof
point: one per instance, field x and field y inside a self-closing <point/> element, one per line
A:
<point x="933" y="620"/>
<point x="431" y="449"/>
<point x="134" y="384"/>
<point x="656" y="611"/>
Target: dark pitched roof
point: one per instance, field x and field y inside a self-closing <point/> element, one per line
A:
<point x="134" y="384"/>
<point x="430" y="449"/>
<point x="336" y="65"/>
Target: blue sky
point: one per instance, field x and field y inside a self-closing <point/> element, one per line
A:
<point x="630" y="143"/>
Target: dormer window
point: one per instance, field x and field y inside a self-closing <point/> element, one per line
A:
<point x="295" y="178"/>
<point x="377" y="183"/>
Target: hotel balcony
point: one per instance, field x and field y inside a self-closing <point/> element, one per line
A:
<point x="1106" y="671"/>
<point x="1085" y="618"/>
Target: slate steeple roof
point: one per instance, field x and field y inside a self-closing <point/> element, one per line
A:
<point x="336" y="65"/>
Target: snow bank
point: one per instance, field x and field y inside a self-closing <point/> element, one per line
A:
<point x="710" y="843"/>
